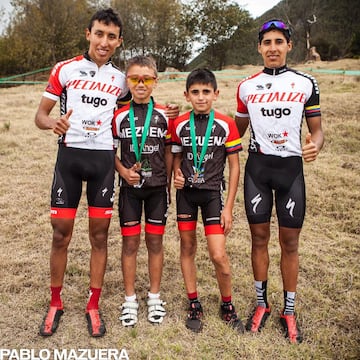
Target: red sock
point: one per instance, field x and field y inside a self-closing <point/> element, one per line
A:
<point x="226" y="299"/>
<point x="56" y="297"/>
<point x="94" y="296"/>
<point x="192" y="296"/>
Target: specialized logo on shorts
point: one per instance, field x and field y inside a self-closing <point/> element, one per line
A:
<point x="104" y="191"/>
<point x="256" y="201"/>
<point x="59" y="200"/>
<point x="290" y="206"/>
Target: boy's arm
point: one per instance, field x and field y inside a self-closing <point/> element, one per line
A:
<point x="130" y="175"/>
<point x="234" y="174"/>
<point x="169" y="165"/>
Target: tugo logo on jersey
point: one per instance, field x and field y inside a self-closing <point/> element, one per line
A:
<point x="95" y="101"/>
<point x="277" y="113"/>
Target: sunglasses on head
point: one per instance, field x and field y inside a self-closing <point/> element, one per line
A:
<point x="274" y="24"/>
<point x="146" y="80"/>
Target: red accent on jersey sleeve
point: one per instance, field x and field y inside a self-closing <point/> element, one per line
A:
<point x="233" y="141"/>
<point x="54" y="85"/>
<point x="174" y="138"/>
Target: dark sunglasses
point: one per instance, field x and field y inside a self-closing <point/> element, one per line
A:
<point x="274" y="24"/>
<point x="277" y="25"/>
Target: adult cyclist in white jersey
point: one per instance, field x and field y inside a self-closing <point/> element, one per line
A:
<point x="89" y="87"/>
<point x="272" y="103"/>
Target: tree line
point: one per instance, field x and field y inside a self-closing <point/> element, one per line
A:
<point x="42" y="32"/>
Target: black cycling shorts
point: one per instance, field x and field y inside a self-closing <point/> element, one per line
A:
<point x="131" y="201"/>
<point x="75" y="166"/>
<point x="211" y="203"/>
<point x="268" y="174"/>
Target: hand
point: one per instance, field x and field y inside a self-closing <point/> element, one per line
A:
<point x="132" y="176"/>
<point x="62" y="124"/>
<point x="172" y="111"/>
<point x="226" y="220"/>
<point x="309" y="150"/>
<point x="179" y="179"/>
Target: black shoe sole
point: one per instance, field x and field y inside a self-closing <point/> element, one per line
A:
<point x="54" y="326"/>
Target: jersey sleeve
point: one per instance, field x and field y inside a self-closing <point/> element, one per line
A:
<point x="312" y="106"/>
<point x="233" y="140"/>
<point x="241" y="110"/>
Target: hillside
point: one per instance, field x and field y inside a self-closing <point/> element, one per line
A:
<point x="334" y="31"/>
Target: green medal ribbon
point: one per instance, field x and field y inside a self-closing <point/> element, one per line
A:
<point x="198" y="162"/>
<point x="137" y="150"/>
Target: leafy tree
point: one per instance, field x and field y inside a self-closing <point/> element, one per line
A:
<point x="155" y="27"/>
<point x="46" y="31"/>
<point x="215" y="22"/>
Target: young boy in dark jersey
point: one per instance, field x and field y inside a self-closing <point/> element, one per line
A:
<point x="202" y="141"/>
<point x="145" y="174"/>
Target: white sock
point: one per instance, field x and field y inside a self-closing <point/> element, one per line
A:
<point x="153" y="296"/>
<point x="130" y="298"/>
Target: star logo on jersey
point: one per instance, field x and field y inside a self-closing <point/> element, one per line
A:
<point x="99" y="122"/>
<point x="285" y="134"/>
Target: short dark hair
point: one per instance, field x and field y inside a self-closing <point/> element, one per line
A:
<point x="201" y="76"/>
<point x="142" y="61"/>
<point x="106" y="16"/>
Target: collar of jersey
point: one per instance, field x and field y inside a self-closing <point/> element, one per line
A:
<point x="275" y="71"/>
<point x="87" y="57"/>
<point x="201" y="117"/>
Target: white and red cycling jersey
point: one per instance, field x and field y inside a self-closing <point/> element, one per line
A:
<point x="92" y="93"/>
<point x="276" y="100"/>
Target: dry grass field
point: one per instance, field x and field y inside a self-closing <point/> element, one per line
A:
<point x="328" y="300"/>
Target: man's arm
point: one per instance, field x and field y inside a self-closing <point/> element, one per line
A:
<point x="44" y="121"/>
<point x="314" y="139"/>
